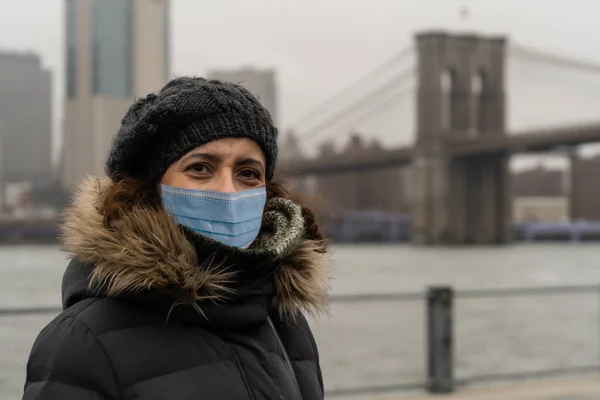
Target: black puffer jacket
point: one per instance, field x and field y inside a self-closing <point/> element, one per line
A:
<point x="153" y="311"/>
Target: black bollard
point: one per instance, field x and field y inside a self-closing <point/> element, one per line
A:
<point x="440" y="338"/>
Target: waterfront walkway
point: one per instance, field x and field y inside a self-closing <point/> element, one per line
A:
<point x="557" y="389"/>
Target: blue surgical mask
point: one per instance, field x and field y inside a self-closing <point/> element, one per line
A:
<point x="230" y="218"/>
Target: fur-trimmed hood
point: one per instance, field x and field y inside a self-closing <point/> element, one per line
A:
<point x="146" y="251"/>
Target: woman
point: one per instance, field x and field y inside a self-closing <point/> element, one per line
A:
<point x="191" y="268"/>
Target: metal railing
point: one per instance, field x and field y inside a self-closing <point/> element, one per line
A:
<point x="440" y="337"/>
<point x="440" y="307"/>
<point x="5" y="312"/>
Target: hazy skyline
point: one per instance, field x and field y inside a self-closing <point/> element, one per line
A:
<point x="316" y="47"/>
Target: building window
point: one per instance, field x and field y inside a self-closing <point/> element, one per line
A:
<point x="71" y="48"/>
<point x="111" y="41"/>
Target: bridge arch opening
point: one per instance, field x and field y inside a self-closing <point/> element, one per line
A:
<point x="478" y="89"/>
<point x="447" y="88"/>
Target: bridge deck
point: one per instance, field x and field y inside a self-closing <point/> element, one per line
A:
<point x="556" y="389"/>
<point x="458" y="145"/>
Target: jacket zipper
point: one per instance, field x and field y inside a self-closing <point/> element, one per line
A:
<point x="285" y="357"/>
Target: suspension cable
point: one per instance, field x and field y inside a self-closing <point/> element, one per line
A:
<point x="540" y="56"/>
<point x="356" y="106"/>
<point x="377" y="108"/>
<point x="397" y="58"/>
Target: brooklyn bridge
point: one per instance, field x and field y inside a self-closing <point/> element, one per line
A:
<point x="459" y="159"/>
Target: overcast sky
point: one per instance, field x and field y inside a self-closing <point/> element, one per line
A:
<point x="320" y="46"/>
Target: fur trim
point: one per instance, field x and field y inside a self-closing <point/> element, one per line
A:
<point x="147" y="250"/>
<point x="302" y="281"/>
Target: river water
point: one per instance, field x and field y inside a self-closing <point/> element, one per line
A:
<point x="384" y="342"/>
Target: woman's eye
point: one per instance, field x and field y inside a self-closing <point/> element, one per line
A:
<point x="198" y="168"/>
<point x="248" y="173"/>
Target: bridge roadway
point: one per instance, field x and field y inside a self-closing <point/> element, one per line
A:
<point x="556" y="389"/>
<point x="526" y="142"/>
<point x="457" y="145"/>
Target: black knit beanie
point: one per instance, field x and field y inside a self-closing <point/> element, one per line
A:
<point x="188" y="112"/>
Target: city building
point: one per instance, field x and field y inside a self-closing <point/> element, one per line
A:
<point x="540" y="209"/>
<point x="540" y="195"/>
<point x="261" y="83"/>
<point x="290" y="148"/>
<point x="116" y="50"/>
<point x="538" y="182"/>
<point x="585" y="193"/>
<point x="2" y="185"/>
<point x="385" y="189"/>
<point x="25" y="119"/>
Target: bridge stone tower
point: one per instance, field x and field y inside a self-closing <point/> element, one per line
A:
<point x="460" y="200"/>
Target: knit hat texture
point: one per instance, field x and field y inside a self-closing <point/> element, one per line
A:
<point x="188" y="112"/>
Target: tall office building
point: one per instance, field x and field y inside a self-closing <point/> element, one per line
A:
<point x="25" y="119"/>
<point x="116" y="50"/>
<point x="261" y="83"/>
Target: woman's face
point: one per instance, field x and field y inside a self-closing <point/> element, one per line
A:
<point x="226" y="165"/>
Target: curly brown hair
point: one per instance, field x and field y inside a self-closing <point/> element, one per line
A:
<point x="127" y="193"/>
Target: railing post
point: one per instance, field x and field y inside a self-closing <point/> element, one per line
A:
<point x="440" y="339"/>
